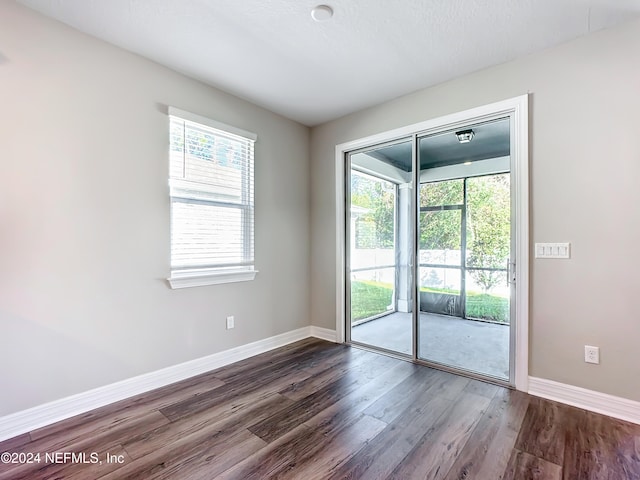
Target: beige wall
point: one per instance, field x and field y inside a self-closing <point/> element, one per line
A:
<point x="585" y="172"/>
<point x="84" y="218"/>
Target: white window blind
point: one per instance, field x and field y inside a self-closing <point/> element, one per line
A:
<point x="212" y="201"/>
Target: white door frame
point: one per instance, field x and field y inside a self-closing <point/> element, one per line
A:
<point x="517" y="109"/>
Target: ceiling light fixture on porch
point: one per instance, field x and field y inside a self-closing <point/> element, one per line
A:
<point x="464" y="136"/>
<point x="322" y="13"/>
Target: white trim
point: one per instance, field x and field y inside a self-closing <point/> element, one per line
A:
<point x="42" y="415"/>
<point x="520" y="159"/>
<point x="323" y="333"/>
<point x="340" y="240"/>
<point x="591" y="400"/>
<point x="441" y="123"/>
<point x="193" y="117"/>
<point x="517" y="108"/>
<point x="203" y="278"/>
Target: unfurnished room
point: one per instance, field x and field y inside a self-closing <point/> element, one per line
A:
<point x="302" y="240"/>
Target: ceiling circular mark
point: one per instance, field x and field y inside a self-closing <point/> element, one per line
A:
<point x="322" y="13"/>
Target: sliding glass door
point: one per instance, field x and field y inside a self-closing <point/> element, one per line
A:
<point x="428" y="268"/>
<point x="380" y="248"/>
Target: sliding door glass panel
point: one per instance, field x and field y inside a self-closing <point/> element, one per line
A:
<point x="465" y="236"/>
<point x="379" y="274"/>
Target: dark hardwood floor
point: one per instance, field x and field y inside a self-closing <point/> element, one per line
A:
<point x="317" y="410"/>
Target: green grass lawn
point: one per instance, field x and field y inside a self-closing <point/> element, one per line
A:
<point x="369" y="299"/>
<point x="488" y="307"/>
<point x="372" y="298"/>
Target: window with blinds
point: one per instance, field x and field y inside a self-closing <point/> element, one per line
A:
<point x="212" y="201"/>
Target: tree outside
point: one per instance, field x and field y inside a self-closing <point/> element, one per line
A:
<point x="488" y="228"/>
<point x="375" y="229"/>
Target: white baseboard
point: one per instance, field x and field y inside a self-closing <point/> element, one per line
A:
<point x="610" y="405"/>
<point x="324" y="334"/>
<point x="42" y="415"/>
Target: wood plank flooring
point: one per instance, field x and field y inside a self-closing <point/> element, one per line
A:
<point x="317" y="410"/>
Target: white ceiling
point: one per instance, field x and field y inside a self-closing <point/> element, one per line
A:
<point x="273" y="54"/>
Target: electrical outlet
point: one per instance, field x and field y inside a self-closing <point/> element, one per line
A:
<point x="230" y="322"/>
<point x="591" y="354"/>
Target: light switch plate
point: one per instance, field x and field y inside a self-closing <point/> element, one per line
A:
<point x="553" y="250"/>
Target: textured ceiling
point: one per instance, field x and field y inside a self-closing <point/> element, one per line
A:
<point x="272" y="53"/>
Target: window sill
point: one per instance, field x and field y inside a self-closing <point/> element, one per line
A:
<point x="203" y="278"/>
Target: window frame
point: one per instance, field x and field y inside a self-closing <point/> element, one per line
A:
<point x="213" y="275"/>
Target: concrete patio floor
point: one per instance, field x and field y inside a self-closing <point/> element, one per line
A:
<point x="468" y="344"/>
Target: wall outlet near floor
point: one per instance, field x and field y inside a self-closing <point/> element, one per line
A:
<point x="231" y="322"/>
<point x="591" y="354"/>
